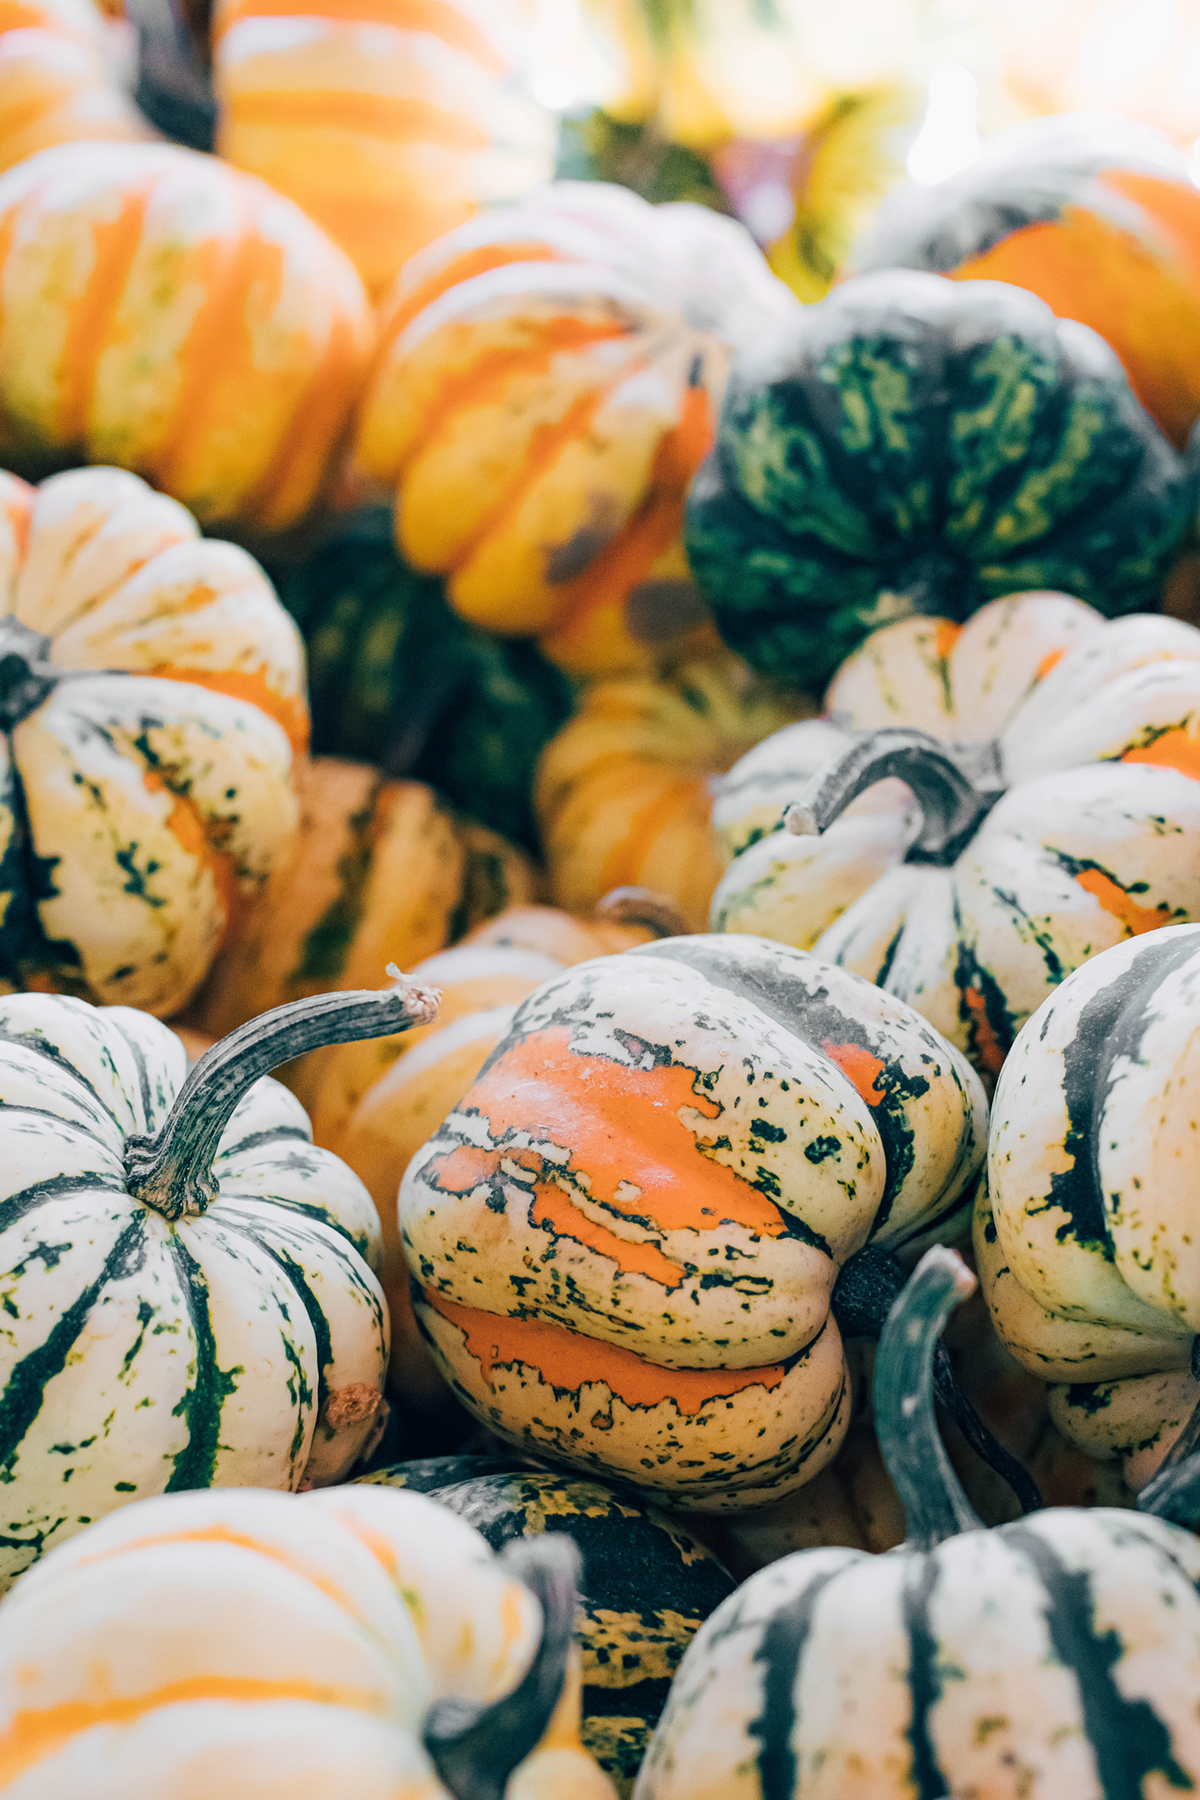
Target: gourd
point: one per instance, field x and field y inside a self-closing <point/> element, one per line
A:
<point x="151" y="701"/>
<point x="57" y="83"/>
<point x="389" y="124"/>
<point x="916" y="445"/>
<point x="168" y="313"/>
<point x="623" y="791"/>
<point x="545" y="388"/>
<point x="1095" y="215"/>
<point x="188" y="1295"/>
<point x="969" y="878"/>
<point x="1073" y="1636"/>
<point x="625" y="1239"/>
<point x="257" y="1645"/>
<point x="381" y="871"/>
<point x="1085" y="1243"/>
<point x="397" y="678"/>
<point x="648" y="1585"/>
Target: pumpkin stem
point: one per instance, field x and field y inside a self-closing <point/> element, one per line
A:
<point x="173" y="1171"/>
<point x="641" y="906"/>
<point x="474" y="1746"/>
<point x="912" y="1450"/>
<point x="956" y="786"/>
<point x="869" y="1284"/>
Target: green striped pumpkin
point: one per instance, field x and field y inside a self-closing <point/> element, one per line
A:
<point x="912" y="444"/>
<point x="187" y="1300"/>
<point x="1057" y="1658"/>
<point x="648" y="1585"/>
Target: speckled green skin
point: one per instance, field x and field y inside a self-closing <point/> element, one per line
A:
<point x="913" y="444"/>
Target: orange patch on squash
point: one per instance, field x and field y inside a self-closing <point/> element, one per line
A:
<point x="287" y="710"/>
<point x="622" y="865"/>
<point x="185" y="826"/>
<point x="568" y="1360"/>
<point x="460" y="268"/>
<point x="1050" y="661"/>
<point x="115" y="245"/>
<point x="449" y="23"/>
<point x="948" y="634"/>
<point x="1178" y="749"/>
<point x="1116" y="901"/>
<point x="861" y="1067"/>
<point x="988" y="1048"/>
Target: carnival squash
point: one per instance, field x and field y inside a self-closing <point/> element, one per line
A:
<point x="1067" y="821"/>
<point x="916" y="445"/>
<point x="625" y="1238"/>
<point x="389" y="123"/>
<point x="57" y="79"/>
<point x="188" y="1295"/>
<point x="165" y="312"/>
<point x="1056" y="1656"/>
<point x="280" y="1647"/>
<point x="1098" y="217"/>
<point x="541" y="399"/>
<point x="1087" y="1243"/>
<point x="381" y="871"/>
<point x="623" y="792"/>
<point x="151" y="698"/>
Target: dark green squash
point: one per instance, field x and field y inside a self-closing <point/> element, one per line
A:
<point x="648" y="1585"/>
<point x="915" y="445"/>
<point x="397" y="678"/>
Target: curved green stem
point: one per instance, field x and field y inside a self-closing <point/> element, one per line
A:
<point x="955" y="785"/>
<point x="909" y="1442"/>
<point x="641" y="906"/>
<point x="173" y="1172"/>
<point x="475" y="1747"/>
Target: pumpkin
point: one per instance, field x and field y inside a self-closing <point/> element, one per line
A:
<point x="151" y="697"/>
<point x="625" y="1238"/>
<point x="544" y="390"/>
<point x="1073" y="1636"/>
<point x="1096" y="216"/>
<point x="262" y="1645"/>
<point x="56" y="79"/>
<point x="916" y="445"/>
<point x="1085" y="1243"/>
<point x="397" y="678"/>
<point x="623" y="791"/>
<point x="165" y="312"/>
<point x="388" y="123"/>
<point x="381" y="871"/>
<point x="648" y="1585"/>
<point x="970" y="887"/>
<point x="188" y="1290"/>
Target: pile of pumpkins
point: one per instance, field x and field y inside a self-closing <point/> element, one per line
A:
<point x="697" y="799"/>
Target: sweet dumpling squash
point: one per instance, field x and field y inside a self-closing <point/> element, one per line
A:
<point x="151" y="701"/>
<point x="986" y="808"/>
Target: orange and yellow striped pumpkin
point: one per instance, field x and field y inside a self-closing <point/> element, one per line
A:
<point x="57" y="83"/>
<point x="388" y="121"/>
<point x="164" y="312"/>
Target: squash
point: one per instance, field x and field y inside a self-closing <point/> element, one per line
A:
<point x="188" y="1290"/>
<point x="623" y="791"/>
<point x="1095" y="215"/>
<point x="625" y="1238"/>
<point x="916" y="445"/>
<point x="389" y="123"/>
<point x="1066" y="823"/>
<point x="382" y="871"/>
<point x="260" y="1645"/>
<point x="545" y="388"/>
<point x="1085" y="1246"/>
<point x="1073" y="1637"/>
<point x="151" y="697"/>
<point x="648" y="1586"/>
<point x="57" y="83"/>
<point x="397" y="678"/>
<point x="165" y="312"/>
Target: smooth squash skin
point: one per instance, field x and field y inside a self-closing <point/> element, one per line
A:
<point x="1095" y="215"/>
<point x="624" y="1239"/>
<point x="1080" y="742"/>
<point x="58" y="82"/>
<point x="166" y="312"/>
<point x="279" y="1647"/>
<point x="1073" y="1636"/>
<point x="915" y="445"/>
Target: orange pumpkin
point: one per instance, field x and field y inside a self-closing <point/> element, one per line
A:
<point x="388" y="121"/>
<point x="57" y="84"/>
<point x="166" y="313"/>
<point x="546" y="387"/>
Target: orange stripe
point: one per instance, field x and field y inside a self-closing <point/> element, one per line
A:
<point x="117" y="243"/>
<point x="188" y="830"/>
<point x="566" y="1359"/>
<point x="988" y="1049"/>
<point x="1116" y="901"/>
<point x="479" y="261"/>
<point x="439" y="18"/>
<point x="286" y="709"/>
<point x="1178" y="749"/>
<point x="948" y="634"/>
<point x="622" y="865"/>
<point x="397" y="119"/>
<point x="1050" y="661"/>
<point x="861" y="1067"/>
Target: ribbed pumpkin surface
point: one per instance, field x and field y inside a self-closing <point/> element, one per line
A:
<point x="57" y="80"/>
